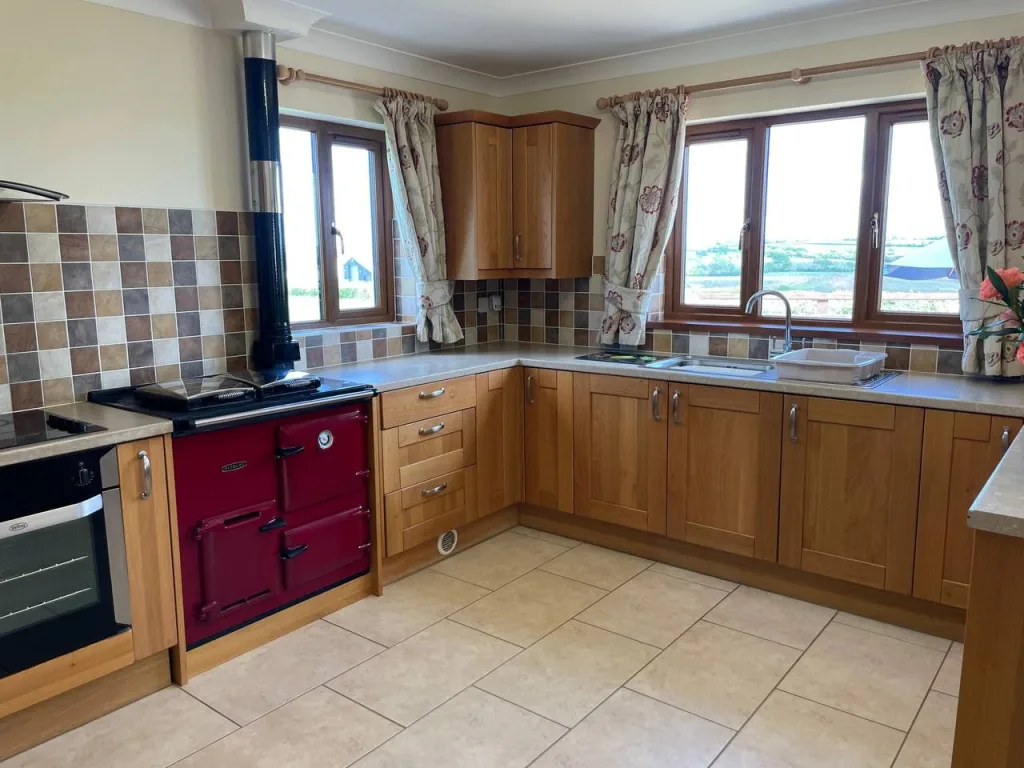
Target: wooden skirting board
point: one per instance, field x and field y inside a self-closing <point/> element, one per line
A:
<point x="903" y="610"/>
<point x="209" y="655"/>
<point x="48" y="719"/>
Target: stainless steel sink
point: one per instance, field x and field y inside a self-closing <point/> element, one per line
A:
<point x="724" y="367"/>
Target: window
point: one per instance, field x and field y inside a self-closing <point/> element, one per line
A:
<point x="838" y="210"/>
<point x="337" y="214"/>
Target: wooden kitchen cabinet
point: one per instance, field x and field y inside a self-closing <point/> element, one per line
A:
<point x="147" y="543"/>
<point x="850" y="473"/>
<point x="548" y="448"/>
<point x="620" y="450"/>
<point x="499" y="423"/>
<point x="518" y="194"/>
<point x="724" y="451"/>
<point x="960" y="452"/>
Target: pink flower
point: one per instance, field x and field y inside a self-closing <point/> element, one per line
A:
<point x="1020" y="354"/>
<point x="1009" y="316"/>
<point x="987" y="291"/>
<point x="1011" y="276"/>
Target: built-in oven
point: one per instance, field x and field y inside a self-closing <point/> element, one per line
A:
<point x="63" y="573"/>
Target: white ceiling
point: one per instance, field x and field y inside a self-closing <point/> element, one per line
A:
<point x="504" y="47"/>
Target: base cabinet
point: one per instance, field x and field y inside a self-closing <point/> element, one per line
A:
<point x="499" y="424"/>
<point x="850" y="474"/>
<point x="960" y="452"/>
<point x="724" y="449"/>
<point x="620" y="450"/>
<point x="548" y="445"/>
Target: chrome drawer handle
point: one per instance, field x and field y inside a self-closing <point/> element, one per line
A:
<point x="435" y="490"/>
<point x="792" y="423"/>
<point x="147" y="475"/>
<point x="432" y="430"/>
<point x="1005" y="439"/>
<point x="431" y="395"/>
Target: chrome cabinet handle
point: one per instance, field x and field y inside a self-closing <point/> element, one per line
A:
<point x="147" y="475"/>
<point x="435" y="490"/>
<point x="792" y="422"/>
<point x="515" y="247"/>
<point x="656" y="403"/>
<point x="675" y="408"/>
<point x="432" y="430"/>
<point x="431" y="395"/>
<point x="529" y="389"/>
<point x="1005" y="439"/>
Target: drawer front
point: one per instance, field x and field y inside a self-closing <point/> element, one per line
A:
<point x="426" y="510"/>
<point x="416" y="452"/>
<point x="404" y="406"/>
<point x="339" y="541"/>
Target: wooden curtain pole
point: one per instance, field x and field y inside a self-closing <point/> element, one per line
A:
<point x="288" y="75"/>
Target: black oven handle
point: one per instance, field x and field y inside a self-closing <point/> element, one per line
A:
<point x="51" y="517"/>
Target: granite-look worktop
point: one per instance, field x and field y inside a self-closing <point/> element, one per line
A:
<point x="924" y="390"/>
<point x="121" y="427"/>
<point x="999" y="507"/>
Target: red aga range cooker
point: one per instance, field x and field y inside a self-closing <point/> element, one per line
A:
<point x="273" y="483"/>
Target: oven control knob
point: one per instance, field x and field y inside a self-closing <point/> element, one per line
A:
<point x="85" y="476"/>
<point x="325" y="439"/>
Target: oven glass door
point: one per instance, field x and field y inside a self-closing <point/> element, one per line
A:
<point x="56" y="593"/>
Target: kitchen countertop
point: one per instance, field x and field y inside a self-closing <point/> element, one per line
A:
<point x="998" y="508"/>
<point x="121" y="427"/>
<point x="924" y="390"/>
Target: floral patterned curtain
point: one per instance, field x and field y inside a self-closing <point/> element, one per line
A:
<point x="976" y="114"/>
<point x="648" y="161"/>
<point x="416" y="187"/>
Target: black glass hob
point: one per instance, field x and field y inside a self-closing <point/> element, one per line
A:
<point x="38" y="426"/>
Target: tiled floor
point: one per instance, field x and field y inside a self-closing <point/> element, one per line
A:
<point x="533" y="649"/>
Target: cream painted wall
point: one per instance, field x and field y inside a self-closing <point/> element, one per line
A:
<point x="873" y="85"/>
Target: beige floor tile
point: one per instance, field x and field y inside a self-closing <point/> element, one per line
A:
<point x="407" y="606"/>
<point x="653" y="608"/>
<point x="265" y="678"/>
<point x="405" y="682"/>
<point x="151" y="733"/>
<point x="891" y="630"/>
<point x="948" y="679"/>
<point x="604" y="568"/>
<point x="531" y="606"/>
<point x="568" y="673"/>
<point x="930" y="742"/>
<point x="319" y="728"/>
<point x="633" y="730"/>
<point x="790" y="732"/>
<point x="473" y="730"/>
<point x="717" y="673"/>
<point x="694" y="576"/>
<point x="552" y="538"/>
<point x="868" y="675"/>
<point x="773" y="617"/>
<point x="496" y="562"/>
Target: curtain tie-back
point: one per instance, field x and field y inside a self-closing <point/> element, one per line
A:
<point x="636" y="301"/>
<point x="434" y="293"/>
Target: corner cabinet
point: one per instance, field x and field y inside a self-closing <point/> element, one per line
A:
<point x="549" y="438"/>
<point x="961" y="450"/>
<point x="518" y="194"/>
<point x="620" y="450"/>
<point x="724" y="448"/>
<point x="850" y="473"/>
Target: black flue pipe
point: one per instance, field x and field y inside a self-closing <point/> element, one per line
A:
<point x="275" y="347"/>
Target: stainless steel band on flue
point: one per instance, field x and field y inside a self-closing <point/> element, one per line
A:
<point x="265" y="186"/>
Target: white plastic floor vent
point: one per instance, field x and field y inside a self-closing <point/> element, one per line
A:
<point x="446" y="542"/>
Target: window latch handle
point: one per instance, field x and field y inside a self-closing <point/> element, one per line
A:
<point x="341" y="240"/>
<point x="743" y="234"/>
<point x="875" y="230"/>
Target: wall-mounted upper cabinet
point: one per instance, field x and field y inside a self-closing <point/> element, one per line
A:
<point x="518" y="194"/>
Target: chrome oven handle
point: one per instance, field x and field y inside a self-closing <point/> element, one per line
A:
<point x="431" y="395"/>
<point x="50" y="518"/>
<point x="147" y="475"/>
<point x="432" y="430"/>
<point x="433" y="491"/>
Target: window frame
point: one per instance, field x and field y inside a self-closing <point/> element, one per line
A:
<point x="868" y="321"/>
<point x="326" y="136"/>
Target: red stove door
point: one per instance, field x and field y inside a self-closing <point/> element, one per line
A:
<point x="339" y="542"/>
<point x="238" y="559"/>
<point x="321" y="458"/>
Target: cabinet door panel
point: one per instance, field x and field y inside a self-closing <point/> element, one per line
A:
<point x="549" y="438"/>
<point x="723" y="488"/>
<point x="532" y="189"/>
<point x="492" y="146"/>
<point x="850" y="476"/>
<point x="961" y="450"/>
<point x="620" y="452"/>
<point x="499" y="409"/>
